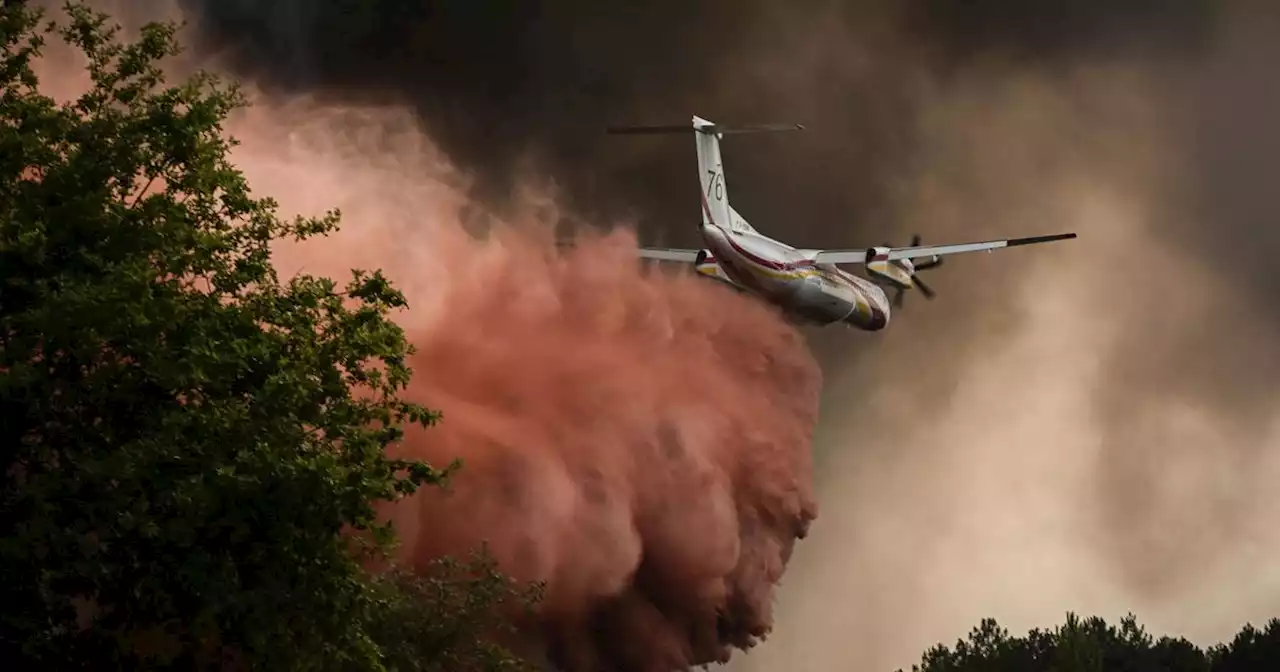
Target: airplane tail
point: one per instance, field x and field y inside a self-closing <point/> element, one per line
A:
<point x="715" y="192"/>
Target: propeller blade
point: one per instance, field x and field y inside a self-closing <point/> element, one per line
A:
<point x="924" y="289"/>
<point x="915" y="240"/>
<point x="897" y="298"/>
<point x="936" y="261"/>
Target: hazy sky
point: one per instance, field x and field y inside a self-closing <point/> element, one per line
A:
<point x="1086" y="426"/>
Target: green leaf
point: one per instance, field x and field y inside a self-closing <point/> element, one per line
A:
<point x="185" y="442"/>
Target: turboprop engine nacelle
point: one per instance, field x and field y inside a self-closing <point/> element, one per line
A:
<point x="897" y="272"/>
<point x="705" y="264"/>
<point x="901" y="274"/>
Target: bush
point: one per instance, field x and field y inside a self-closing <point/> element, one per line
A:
<point x="186" y="437"/>
<point x="1091" y="645"/>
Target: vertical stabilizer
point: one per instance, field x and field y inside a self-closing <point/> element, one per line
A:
<point x="715" y="192"/>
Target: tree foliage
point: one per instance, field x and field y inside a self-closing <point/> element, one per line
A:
<point x="1091" y="645"/>
<point x="186" y="437"/>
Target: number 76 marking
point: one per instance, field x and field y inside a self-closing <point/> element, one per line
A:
<point x="716" y="184"/>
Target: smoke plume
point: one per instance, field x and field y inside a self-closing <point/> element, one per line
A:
<point x="1087" y="426"/>
<point x="609" y="418"/>
<point x="637" y="439"/>
<point x="1090" y="425"/>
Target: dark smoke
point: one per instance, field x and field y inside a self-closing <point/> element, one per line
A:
<point x="1087" y="427"/>
<point x="503" y="83"/>
<point x="506" y="87"/>
<point x="495" y="79"/>
<point x="1049" y="34"/>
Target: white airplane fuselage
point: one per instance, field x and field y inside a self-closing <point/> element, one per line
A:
<point x="805" y="284"/>
<point x="820" y="294"/>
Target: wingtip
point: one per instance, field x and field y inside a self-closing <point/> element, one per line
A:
<point x="1032" y="240"/>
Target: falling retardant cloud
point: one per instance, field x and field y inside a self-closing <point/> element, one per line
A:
<point x="608" y="417"/>
<point x="639" y="440"/>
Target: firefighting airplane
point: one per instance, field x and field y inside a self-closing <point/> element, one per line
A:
<point x="806" y="284"/>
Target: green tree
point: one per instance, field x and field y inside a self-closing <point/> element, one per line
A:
<point x="192" y="447"/>
<point x="1091" y="645"/>
<point x="1252" y="649"/>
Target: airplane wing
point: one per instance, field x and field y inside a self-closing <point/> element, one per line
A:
<point x="668" y="254"/>
<point x="656" y="253"/>
<point x="861" y="257"/>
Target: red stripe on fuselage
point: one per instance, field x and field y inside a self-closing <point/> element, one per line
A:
<point x="770" y="263"/>
<point x="833" y="274"/>
<point x="879" y="317"/>
<point x="746" y="276"/>
<point x="706" y="210"/>
<point x="754" y="258"/>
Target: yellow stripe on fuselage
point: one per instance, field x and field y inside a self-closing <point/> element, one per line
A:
<point x="861" y="304"/>
<point x="797" y="274"/>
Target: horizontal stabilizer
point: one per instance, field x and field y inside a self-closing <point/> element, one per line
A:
<point x="649" y="130"/>
<point x="755" y="128"/>
<point x="661" y="129"/>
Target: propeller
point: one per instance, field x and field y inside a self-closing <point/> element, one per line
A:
<point x="919" y="284"/>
